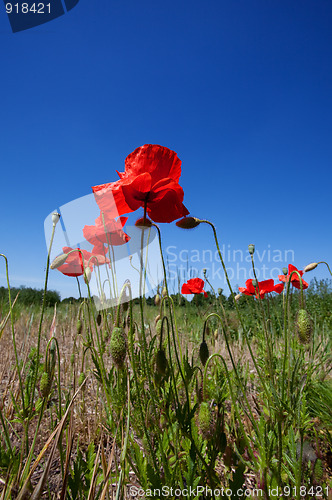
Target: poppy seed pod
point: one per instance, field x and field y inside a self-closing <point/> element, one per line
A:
<point x="59" y="260"/>
<point x="118" y="346"/>
<point x="303" y="326"/>
<point x="254" y="283"/>
<point x="251" y="248"/>
<point x="310" y="267"/>
<point x="161" y="362"/>
<point x="188" y="222"/>
<point x="203" y="352"/>
<point x="285" y="271"/>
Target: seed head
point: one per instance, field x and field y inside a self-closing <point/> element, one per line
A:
<point x="59" y="260"/>
<point x="254" y="283"/>
<point x="310" y="267"/>
<point x="285" y="271"/>
<point x="251" y="248"/>
<point x="188" y="222"/>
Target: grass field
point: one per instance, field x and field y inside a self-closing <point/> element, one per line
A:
<point x="211" y="398"/>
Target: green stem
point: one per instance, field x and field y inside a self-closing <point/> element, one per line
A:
<point x="13" y="334"/>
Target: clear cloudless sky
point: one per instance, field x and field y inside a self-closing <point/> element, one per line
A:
<point x="240" y="89"/>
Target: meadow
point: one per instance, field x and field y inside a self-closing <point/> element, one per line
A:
<point x="158" y="397"/>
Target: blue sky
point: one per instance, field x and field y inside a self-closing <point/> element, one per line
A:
<point x="240" y="89"/>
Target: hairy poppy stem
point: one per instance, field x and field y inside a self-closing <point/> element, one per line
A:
<point x="269" y="353"/>
<point x="328" y="267"/>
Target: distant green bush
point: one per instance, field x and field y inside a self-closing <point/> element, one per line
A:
<point x="30" y="296"/>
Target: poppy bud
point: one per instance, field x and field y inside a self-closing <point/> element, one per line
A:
<point x="81" y="378"/>
<point x="216" y="334"/>
<point x="118" y="346"/>
<point x="318" y="471"/>
<point x="204" y="420"/>
<point x="203" y="352"/>
<point x="303" y="326"/>
<point x="87" y="275"/>
<point x="188" y="222"/>
<point x="161" y="362"/>
<point x="98" y="319"/>
<point x="79" y="327"/>
<point x="237" y="297"/>
<point x="164" y="292"/>
<point x="143" y="222"/>
<point x="285" y="271"/>
<point x="310" y="267"/>
<point x="72" y="359"/>
<point x="59" y="260"/>
<point x="157" y="318"/>
<point x="45" y="384"/>
<point x="55" y="218"/>
<point x="157" y="300"/>
<point x="251" y="248"/>
<point x="158" y="326"/>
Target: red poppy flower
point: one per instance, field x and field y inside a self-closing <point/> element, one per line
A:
<point x="150" y="181"/>
<point x="74" y="265"/>
<point x="106" y="231"/>
<point x="194" y="285"/>
<point x="262" y="288"/>
<point x="294" y="279"/>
